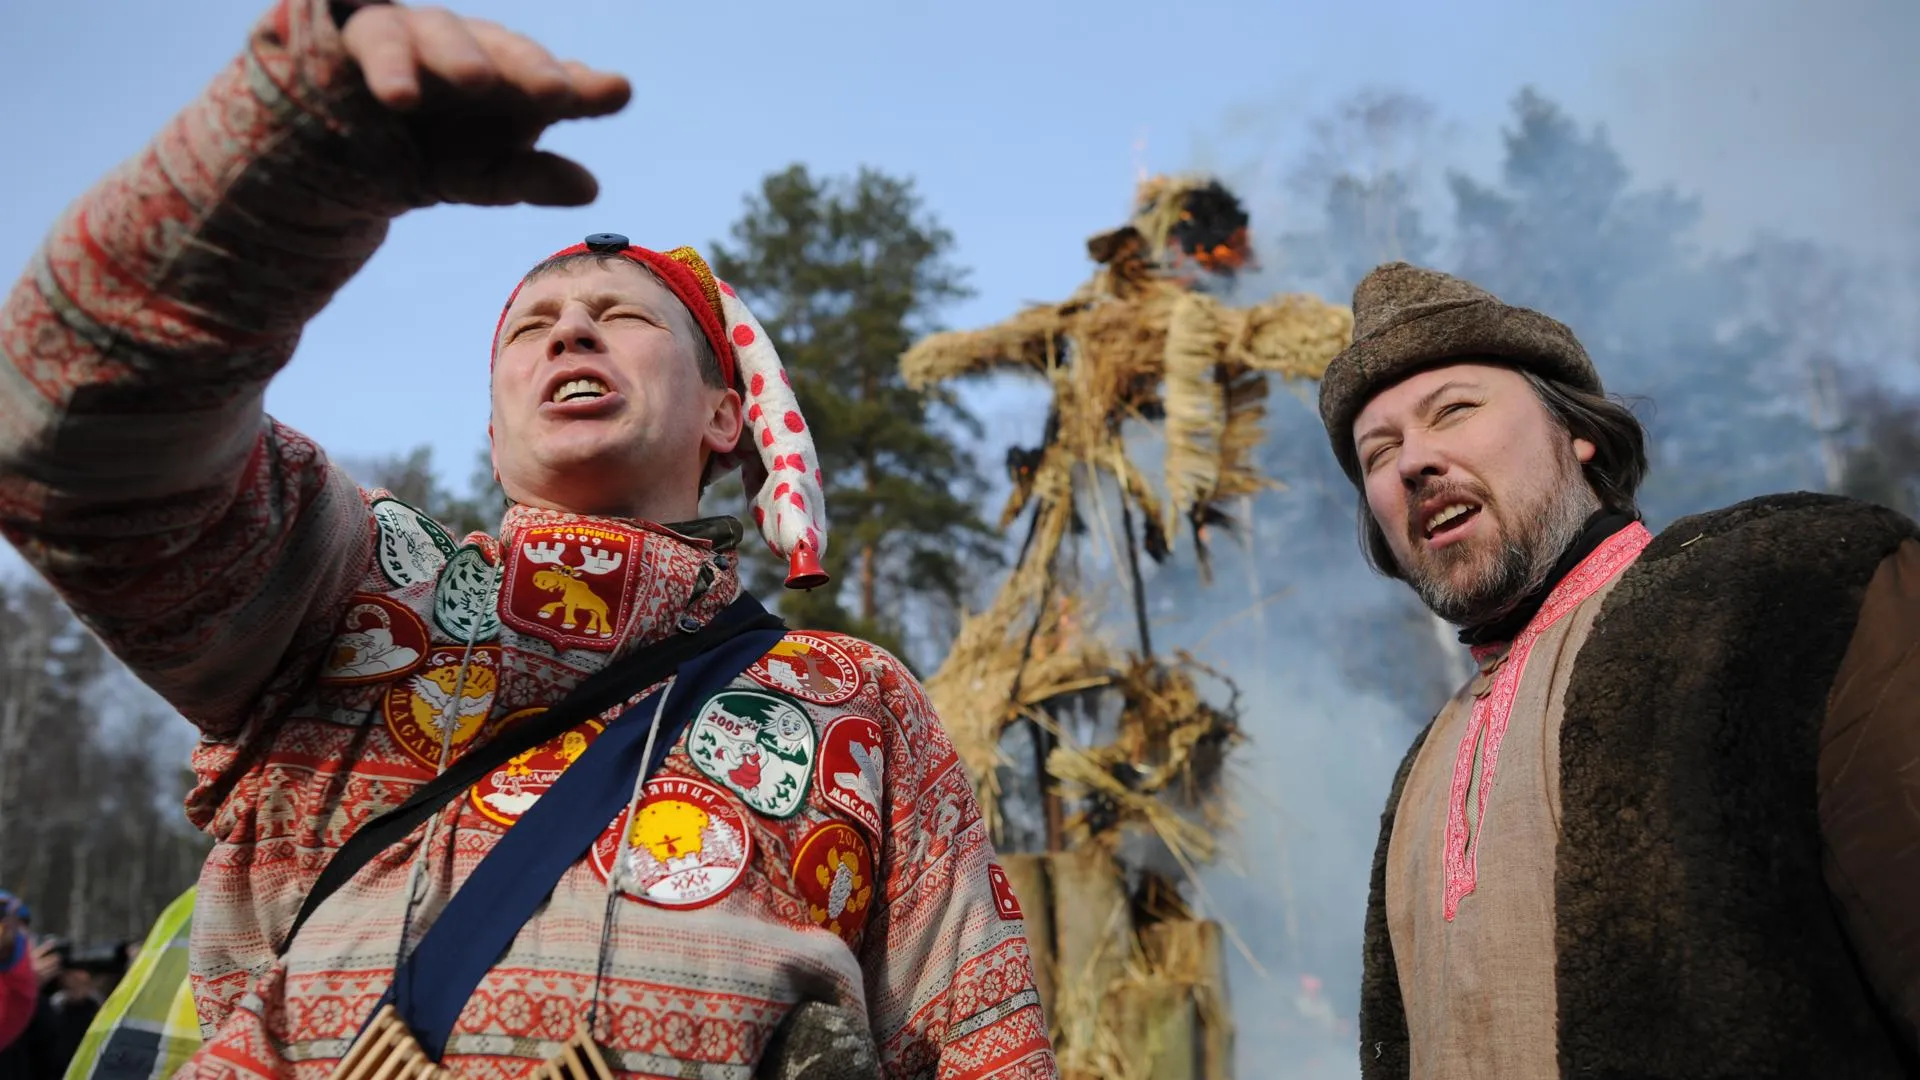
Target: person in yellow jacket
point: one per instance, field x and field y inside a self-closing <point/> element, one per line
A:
<point x="147" y="1029"/>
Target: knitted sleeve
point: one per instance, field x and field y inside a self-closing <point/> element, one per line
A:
<point x="206" y="544"/>
<point x="950" y="981"/>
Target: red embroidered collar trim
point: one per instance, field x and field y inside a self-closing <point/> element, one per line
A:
<point x="1488" y="724"/>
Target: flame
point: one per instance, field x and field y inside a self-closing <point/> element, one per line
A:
<point x="1234" y="254"/>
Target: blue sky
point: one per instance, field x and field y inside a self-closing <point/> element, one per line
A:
<point x="1023" y="124"/>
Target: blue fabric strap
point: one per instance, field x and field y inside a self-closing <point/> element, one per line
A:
<point x="518" y="875"/>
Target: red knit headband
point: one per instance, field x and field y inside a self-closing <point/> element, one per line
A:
<point x="686" y="276"/>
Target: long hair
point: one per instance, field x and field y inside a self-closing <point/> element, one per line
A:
<point x="1618" y="467"/>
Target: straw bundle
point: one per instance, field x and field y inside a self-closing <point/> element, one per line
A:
<point x="1195" y="408"/>
<point x="1030" y="339"/>
<point x="1177" y="741"/>
<point x="1293" y="336"/>
<point x="1189" y="842"/>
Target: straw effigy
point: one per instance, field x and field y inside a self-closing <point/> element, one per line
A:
<point x="1138" y="343"/>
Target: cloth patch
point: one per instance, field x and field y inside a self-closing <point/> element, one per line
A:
<point x="465" y="600"/>
<point x="686" y="847"/>
<point x="570" y="584"/>
<point x="379" y="638"/>
<point x="852" y="769"/>
<point x="511" y="789"/>
<point x="810" y="668"/>
<point x="412" y="547"/>
<point x="758" y="745"/>
<point x="1004" y="900"/>
<point x="833" y="873"/>
<point x="417" y="708"/>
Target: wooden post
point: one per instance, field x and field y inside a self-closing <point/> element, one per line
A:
<point x="1194" y="954"/>
<point x="1158" y="1029"/>
<point x="1091" y="923"/>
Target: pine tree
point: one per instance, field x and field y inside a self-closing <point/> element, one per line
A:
<point x="845" y="273"/>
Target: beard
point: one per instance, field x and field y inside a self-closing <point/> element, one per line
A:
<point x="1478" y="580"/>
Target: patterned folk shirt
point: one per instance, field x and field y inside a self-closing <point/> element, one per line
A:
<point x="813" y="837"/>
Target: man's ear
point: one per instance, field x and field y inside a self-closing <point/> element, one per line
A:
<point x="724" y="424"/>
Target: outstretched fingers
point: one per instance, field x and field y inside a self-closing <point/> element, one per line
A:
<point x="449" y="49"/>
<point x="595" y="92"/>
<point x="534" y="177"/>
<point x="379" y="41"/>
<point x="478" y="97"/>
<point x="526" y="69"/>
<point x="403" y="50"/>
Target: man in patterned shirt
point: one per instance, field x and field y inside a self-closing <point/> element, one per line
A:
<point x="813" y="842"/>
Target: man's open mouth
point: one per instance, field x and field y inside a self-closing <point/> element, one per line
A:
<point x="580" y="390"/>
<point x="1449" y="518"/>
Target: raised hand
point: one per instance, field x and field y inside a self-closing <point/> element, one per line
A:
<point x="478" y="97"/>
<point x="46" y="961"/>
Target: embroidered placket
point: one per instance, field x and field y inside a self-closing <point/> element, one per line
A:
<point x="1479" y="751"/>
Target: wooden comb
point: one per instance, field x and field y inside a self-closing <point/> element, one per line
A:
<point x="388" y="1051"/>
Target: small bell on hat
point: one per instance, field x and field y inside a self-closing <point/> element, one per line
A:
<point x="804" y="570"/>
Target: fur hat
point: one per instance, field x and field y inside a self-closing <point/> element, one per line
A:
<point x="1406" y="318"/>
<point x="776" y="456"/>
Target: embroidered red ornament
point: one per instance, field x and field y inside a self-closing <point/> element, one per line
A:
<point x="1492" y="712"/>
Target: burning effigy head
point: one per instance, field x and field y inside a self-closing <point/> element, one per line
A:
<point x="1209" y="224"/>
<point x="1181" y="223"/>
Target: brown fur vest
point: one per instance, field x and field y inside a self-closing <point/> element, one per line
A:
<point x="1695" y="934"/>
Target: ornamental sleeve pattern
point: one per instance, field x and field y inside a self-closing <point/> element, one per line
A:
<point x="951" y="986"/>
<point x="206" y="544"/>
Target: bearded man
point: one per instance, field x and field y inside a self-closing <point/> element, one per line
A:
<point x="1671" y="828"/>
<point x="487" y="802"/>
